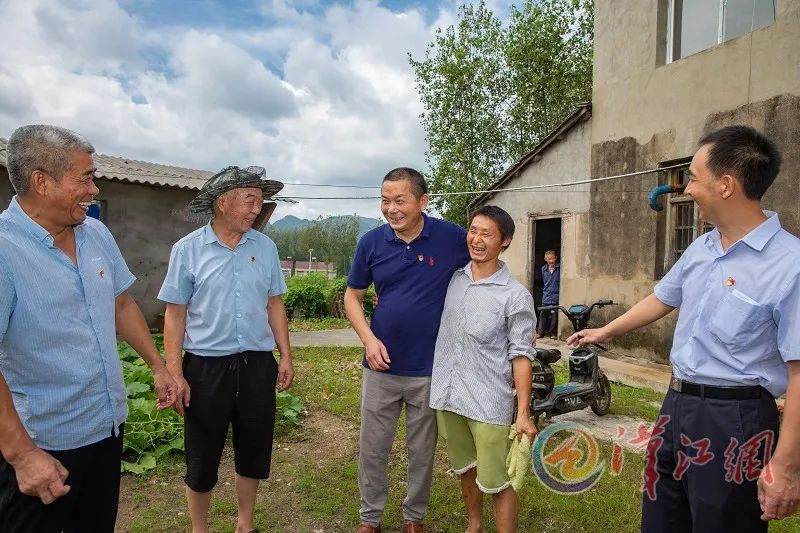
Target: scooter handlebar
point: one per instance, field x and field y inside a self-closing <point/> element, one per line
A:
<point x="550" y="307"/>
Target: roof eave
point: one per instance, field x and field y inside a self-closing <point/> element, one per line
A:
<point x="582" y="112"/>
<point x="149" y="183"/>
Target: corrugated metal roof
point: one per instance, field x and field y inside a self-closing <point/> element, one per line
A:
<point x="133" y="171"/>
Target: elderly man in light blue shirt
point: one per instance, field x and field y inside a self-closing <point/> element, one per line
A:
<point x="63" y="298"/>
<point x="224" y="309"/>
<point x="712" y="463"/>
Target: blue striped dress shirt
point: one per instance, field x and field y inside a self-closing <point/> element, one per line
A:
<point x="485" y="324"/>
<point x="739" y="320"/>
<point x="58" y="349"/>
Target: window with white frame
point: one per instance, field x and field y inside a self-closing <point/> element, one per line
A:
<point x="695" y="25"/>
<point x="684" y="224"/>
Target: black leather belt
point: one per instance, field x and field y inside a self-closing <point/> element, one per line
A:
<point x="751" y="392"/>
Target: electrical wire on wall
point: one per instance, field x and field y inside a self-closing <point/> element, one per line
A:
<point x="527" y="188"/>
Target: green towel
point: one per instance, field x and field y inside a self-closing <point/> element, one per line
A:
<point x="519" y="458"/>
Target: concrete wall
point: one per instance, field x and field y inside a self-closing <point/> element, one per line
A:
<point x="646" y="113"/>
<point x="636" y="95"/>
<point x="566" y="160"/>
<point x="146" y="221"/>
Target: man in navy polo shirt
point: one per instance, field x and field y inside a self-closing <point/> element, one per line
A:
<point x="411" y="260"/>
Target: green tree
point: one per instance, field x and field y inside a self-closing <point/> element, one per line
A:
<point x="548" y="51"/>
<point x="491" y="93"/>
<point x="332" y="238"/>
<point x="462" y="85"/>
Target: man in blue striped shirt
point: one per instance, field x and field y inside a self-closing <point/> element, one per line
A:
<point x="715" y="460"/>
<point x="483" y="349"/>
<point x="63" y="298"/>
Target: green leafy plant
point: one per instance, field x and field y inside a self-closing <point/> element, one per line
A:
<point x="288" y="410"/>
<point x="308" y="300"/>
<point x="315" y="296"/>
<point x="149" y="433"/>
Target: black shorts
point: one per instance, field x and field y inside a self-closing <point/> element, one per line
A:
<point x="237" y="390"/>
<point x="90" y="505"/>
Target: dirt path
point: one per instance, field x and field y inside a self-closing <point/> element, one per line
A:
<point x="608" y="427"/>
<point x="323" y="438"/>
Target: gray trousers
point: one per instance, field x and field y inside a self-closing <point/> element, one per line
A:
<point x="382" y="398"/>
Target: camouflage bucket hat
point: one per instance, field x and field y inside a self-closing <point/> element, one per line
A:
<point x="233" y="178"/>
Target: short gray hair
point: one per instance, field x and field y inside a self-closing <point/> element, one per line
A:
<point x="41" y="147"/>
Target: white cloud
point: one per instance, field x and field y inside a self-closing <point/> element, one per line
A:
<point x="324" y="98"/>
<point x="218" y="75"/>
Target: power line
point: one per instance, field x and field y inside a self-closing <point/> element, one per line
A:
<point x="335" y="186"/>
<point x="509" y="189"/>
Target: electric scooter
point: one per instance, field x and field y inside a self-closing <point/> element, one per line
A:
<point x="587" y="385"/>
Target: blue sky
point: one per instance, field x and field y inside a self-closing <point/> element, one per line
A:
<point x="314" y="91"/>
<point x="249" y="13"/>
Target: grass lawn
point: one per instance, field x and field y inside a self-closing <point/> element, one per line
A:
<point x="313" y="487"/>
<point x="627" y="401"/>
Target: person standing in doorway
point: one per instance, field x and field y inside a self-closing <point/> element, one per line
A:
<point x="551" y="285"/>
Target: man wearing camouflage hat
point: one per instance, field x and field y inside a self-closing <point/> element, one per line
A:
<point x="225" y="314"/>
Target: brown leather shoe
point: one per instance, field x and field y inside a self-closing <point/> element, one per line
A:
<point x="368" y="528"/>
<point x="413" y="527"/>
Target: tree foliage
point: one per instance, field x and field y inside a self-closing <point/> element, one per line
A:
<point x="462" y="86"/>
<point x="490" y="92"/>
<point x="333" y="240"/>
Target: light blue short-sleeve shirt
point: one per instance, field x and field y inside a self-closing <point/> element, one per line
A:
<point x="739" y="320"/>
<point x="58" y="348"/>
<point x="225" y="291"/>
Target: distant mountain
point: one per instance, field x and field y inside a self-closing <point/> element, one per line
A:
<point x="291" y="222"/>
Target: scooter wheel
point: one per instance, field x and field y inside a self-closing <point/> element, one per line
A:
<point x="602" y="402"/>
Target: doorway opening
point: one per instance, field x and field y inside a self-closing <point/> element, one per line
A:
<point x="545" y="235"/>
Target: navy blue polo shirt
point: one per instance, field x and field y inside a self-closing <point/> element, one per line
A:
<point x="411" y="282"/>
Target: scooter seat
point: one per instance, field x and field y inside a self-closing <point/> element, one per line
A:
<point x="547" y="356"/>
